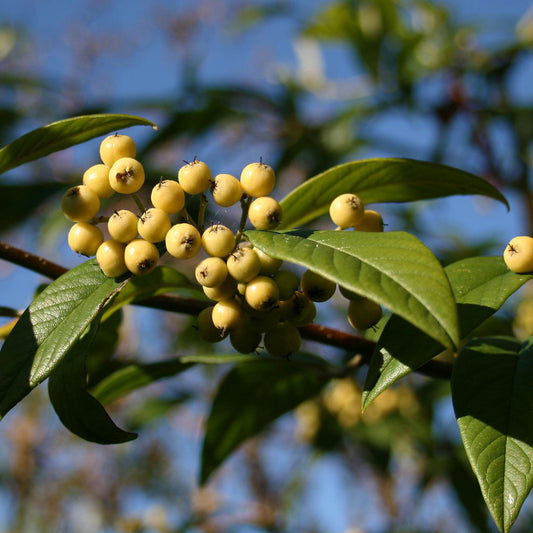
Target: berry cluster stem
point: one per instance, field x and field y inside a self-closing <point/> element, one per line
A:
<point x="138" y="202"/>
<point x="201" y="212"/>
<point x="245" y="206"/>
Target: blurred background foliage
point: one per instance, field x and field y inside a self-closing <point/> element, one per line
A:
<point x="368" y="78"/>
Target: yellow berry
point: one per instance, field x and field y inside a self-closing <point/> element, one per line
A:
<point x="226" y="190"/>
<point x="207" y="331"/>
<point x="265" y="213"/>
<point x="243" y="264"/>
<point x="126" y="176"/>
<point x="244" y="339"/>
<point x="122" y="225"/>
<point x="169" y="196"/>
<point x="110" y="257"/>
<point x="85" y="238"/>
<point x="518" y="254"/>
<point x="287" y="283"/>
<point x="283" y="340"/>
<point x="258" y="179"/>
<point x="154" y="224"/>
<point x="183" y="241"/>
<point x="224" y="291"/>
<point x="141" y="257"/>
<point x="364" y="313"/>
<point x="317" y="287"/>
<point x="261" y="293"/>
<point x="346" y="210"/>
<point x="211" y="272"/>
<point x="97" y="179"/>
<point x="269" y="265"/>
<point x="218" y="240"/>
<point x="227" y="314"/>
<point x="115" y="147"/>
<point x="371" y="222"/>
<point x="80" y="203"/>
<point x="195" y="177"/>
<point x="299" y="310"/>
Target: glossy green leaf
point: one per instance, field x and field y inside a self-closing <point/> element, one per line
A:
<point x="63" y="134"/>
<point x="80" y="412"/>
<point x="493" y="402"/>
<point x="50" y="327"/>
<point x="380" y="180"/>
<point x="481" y="285"/>
<point x="137" y="375"/>
<point x="249" y="397"/>
<point x="385" y="267"/>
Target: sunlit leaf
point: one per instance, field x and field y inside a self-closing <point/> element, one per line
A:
<point x="49" y="328"/>
<point x="493" y="401"/>
<point x="481" y="285"/>
<point x="380" y="180"/>
<point x="63" y="134"/>
<point x="385" y="267"/>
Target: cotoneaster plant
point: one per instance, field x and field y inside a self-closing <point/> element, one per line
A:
<point x="405" y="306"/>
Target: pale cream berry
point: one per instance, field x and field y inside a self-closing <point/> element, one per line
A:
<point x="226" y="190"/>
<point x="262" y="321"/>
<point x="85" y="238"/>
<point x="269" y="264"/>
<point x="258" y="179"/>
<point x="122" y="225"/>
<point x="207" y="331"/>
<point x="116" y="146"/>
<point x="372" y="221"/>
<point x="169" y="196"/>
<point x="226" y="290"/>
<point x="80" y="203"/>
<point x="154" y="224"/>
<point x="141" y="257"/>
<point x="183" y="241"/>
<point x="317" y="287"/>
<point x="287" y="283"/>
<point x="195" y="177"/>
<point x="211" y="272"/>
<point x="110" y="257"/>
<point x="265" y="213"/>
<point x="243" y="264"/>
<point x="518" y="254"/>
<point x="283" y="340"/>
<point x="348" y="294"/>
<point x="97" y="179"/>
<point x="218" y="240"/>
<point x="346" y="210"/>
<point x="126" y="176"/>
<point x="261" y="293"/>
<point x="299" y="310"/>
<point x="364" y="313"/>
<point x="227" y="314"/>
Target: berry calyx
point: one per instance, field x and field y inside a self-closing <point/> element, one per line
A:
<point x="346" y="210"/>
<point x="154" y="224"/>
<point x="126" y="176"/>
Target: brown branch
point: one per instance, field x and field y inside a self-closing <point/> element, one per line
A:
<point x="175" y="304"/>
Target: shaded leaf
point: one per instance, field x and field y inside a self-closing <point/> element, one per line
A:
<point x="380" y="180"/>
<point x="249" y="397"/>
<point x="481" y="285"/>
<point x="50" y="327"/>
<point x="493" y="401"/>
<point x="137" y="375"/>
<point x="80" y="412"/>
<point x="63" y="134"/>
<point x="385" y="267"/>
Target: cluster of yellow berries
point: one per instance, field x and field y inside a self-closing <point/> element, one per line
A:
<point x="255" y="298"/>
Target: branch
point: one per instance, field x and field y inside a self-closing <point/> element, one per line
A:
<point x="190" y="306"/>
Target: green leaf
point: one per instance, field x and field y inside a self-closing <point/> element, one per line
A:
<point x="80" y="412"/>
<point x="137" y="375"/>
<point x="63" y="134"/>
<point x="50" y="327"/>
<point x="385" y="267"/>
<point x="493" y="402"/>
<point x="481" y="285"/>
<point x="380" y="180"/>
<point x="249" y="397"/>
